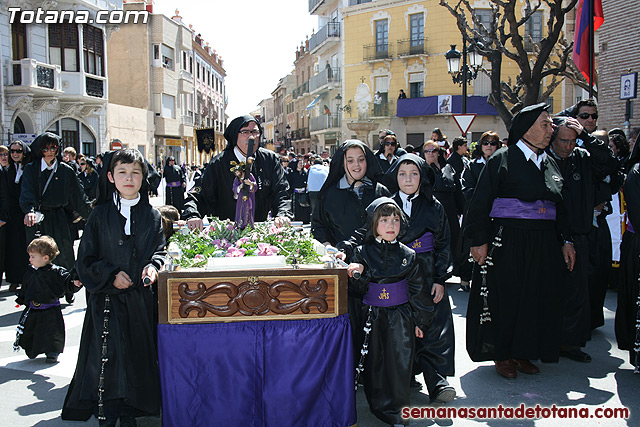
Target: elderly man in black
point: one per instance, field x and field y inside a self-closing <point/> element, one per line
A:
<point x="215" y="194"/>
<point x="514" y="310"/>
<point x="582" y="168"/>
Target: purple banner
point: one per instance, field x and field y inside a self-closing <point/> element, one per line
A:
<point x="423" y="244"/>
<point x="387" y="295"/>
<point x="257" y="373"/>
<point x="517" y="209"/>
<point x="428" y="106"/>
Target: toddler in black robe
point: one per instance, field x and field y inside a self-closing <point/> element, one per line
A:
<point x="120" y="254"/>
<point x="400" y="308"/>
<point x="41" y="328"/>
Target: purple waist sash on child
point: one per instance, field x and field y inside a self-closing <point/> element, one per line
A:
<point x="423" y="244"/>
<point x="517" y="209"/>
<point x="386" y="295"/>
<point x="38" y="306"/>
<point x="174" y="184"/>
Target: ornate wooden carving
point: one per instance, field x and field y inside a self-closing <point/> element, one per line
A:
<point x="190" y="296"/>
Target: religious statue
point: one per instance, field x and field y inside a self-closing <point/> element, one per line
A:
<point x="363" y="98"/>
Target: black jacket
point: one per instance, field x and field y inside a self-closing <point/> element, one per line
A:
<point x="45" y="285"/>
<point x="214" y="195"/>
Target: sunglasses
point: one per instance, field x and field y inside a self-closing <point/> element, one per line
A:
<point x="430" y="150"/>
<point x="491" y="143"/>
<point x="52" y="148"/>
<point x="284" y="161"/>
<point x="585" y="116"/>
<point x="389" y="143"/>
<point x="4" y="154"/>
<point x="16" y="151"/>
<point x="82" y="164"/>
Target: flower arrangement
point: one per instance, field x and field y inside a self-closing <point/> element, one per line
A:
<point x="221" y="239"/>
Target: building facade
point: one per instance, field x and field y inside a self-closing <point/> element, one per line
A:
<point x="54" y="76"/>
<point x="303" y="101"/>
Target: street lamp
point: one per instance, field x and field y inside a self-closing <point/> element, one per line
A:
<point x="277" y="133"/>
<point x="287" y="137"/>
<point x="465" y="74"/>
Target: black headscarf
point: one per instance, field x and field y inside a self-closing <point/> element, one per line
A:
<point x="166" y="163"/>
<point x="635" y="156"/>
<point x="523" y="121"/>
<point x="26" y="153"/>
<point x="43" y="140"/>
<point x="231" y="132"/>
<point x="427" y="175"/>
<point x="336" y="169"/>
<point x="371" y="210"/>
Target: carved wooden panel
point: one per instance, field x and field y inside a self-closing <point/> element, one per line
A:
<point x="192" y="296"/>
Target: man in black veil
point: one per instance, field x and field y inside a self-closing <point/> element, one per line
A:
<point x="214" y="196"/>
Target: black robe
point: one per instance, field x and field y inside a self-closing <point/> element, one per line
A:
<point x="90" y="184"/>
<point x="448" y="191"/>
<point x="44" y="329"/>
<point x="629" y="279"/>
<point x="131" y="372"/>
<point x="4" y="216"/>
<point x="524" y="284"/>
<point x="214" y="195"/>
<point x="16" y="257"/>
<point x="392" y="336"/>
<point x="581" y="170"/>
<point x="174" y="196"/>
<point x="63" y="194"/>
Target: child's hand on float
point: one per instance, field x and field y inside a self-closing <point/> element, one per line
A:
<point x="353" y="267"/>
<point x="149" y="275"/>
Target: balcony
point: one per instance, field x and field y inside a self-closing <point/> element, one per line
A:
<point x="410" y="47"/>
<point x="35" y="76"/>
<point x="374" y="52"/>
<point x="324" y="122"/>
<point x="324" y="78"/>
<point x="386" y="109"/>
<point x="94" y="87"/>
<point x="328" y="33"/>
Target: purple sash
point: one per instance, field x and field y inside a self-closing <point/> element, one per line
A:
<point x="38" y="306"/>
<point x="387" y="295"/>
<point x="174" y="184"/>
<point x="517" y="209"/>
<point x="630" y="228"/>
<point x="423" y="244"/>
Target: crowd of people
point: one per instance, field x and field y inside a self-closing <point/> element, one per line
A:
<point x="523" y="224"/>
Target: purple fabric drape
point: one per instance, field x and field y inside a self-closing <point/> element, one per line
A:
<point x="429" y="105"/>
<point x="257" y="373"/>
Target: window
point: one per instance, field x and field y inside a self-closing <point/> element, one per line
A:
<point x="382" y="38"/>
<point x="63" y="46"/>
<point x="190" y="64"/>
<point x="156" y="51"/>
<point x="167" y="57"/>
<point x="93" y="49"/>
<point x="533" y="30"/>
<point x="416" y="31"/>
<point x="168" y="106"/>
<point x="484" y="16"/>
<point x="415" y="139"/>
<point x="19" y="40"/>
<point x="416" y="85"/>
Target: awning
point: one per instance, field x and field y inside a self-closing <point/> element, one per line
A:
<point x="313" y="103"/>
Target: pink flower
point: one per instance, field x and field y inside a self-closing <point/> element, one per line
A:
<point x="198" y="258"/>
<point x="273" y="230"/>
<point x="235" y="252"/>
<point x="242" y="241"/>
<point x="229" y="226"/>
<point x="265" y="249"/>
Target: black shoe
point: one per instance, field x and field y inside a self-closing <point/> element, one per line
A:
<point x="577" y="355"/>
<point x="70" y="298"/>
<point x="51" y="359"/>
<point x="444" y="395"/>
<point x="127" y="421"/>
<point x="415" y="384"/>
<point x="465" y="286"/>
<point x="13" y="287"/>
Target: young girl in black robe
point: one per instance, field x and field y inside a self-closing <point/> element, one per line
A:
<point x="41" y="328"/>
<point x="120" y="254"/>
<point x="399" y="309"/>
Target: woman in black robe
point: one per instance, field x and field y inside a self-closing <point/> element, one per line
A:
<point x="628" y="311"/>
<point x="88" y="176"/>
<point x="448" y="191"/>
<point x="175" y="182"/>
<point x="297" y="178"/>
<point x="130" y="384"/>
<point x="519" y="320"/>
<point x="51" y="187"/>
<point x="16" y="257"/>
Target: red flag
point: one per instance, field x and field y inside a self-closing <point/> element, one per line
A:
<point x="581" y="52"/>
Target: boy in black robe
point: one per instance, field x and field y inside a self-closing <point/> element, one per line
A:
<point x="120" y="253"/>
<point x="41" y="327"/>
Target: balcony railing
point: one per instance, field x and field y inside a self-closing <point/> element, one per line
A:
<point x="373" y="52"/>
<point x="411" y="47"/>
<point x="29" y="72"/>
<point x="328" y="75"/>
<point x="331" y="30"/>
<point x="324" y="122"/>
<point x="94" y="87"/>
<point x="384" y="109"/>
